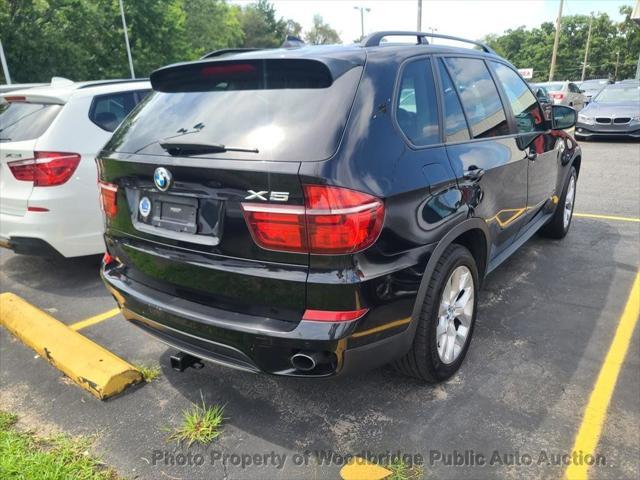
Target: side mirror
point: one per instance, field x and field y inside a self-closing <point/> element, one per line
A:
<point x="563" y="117"/>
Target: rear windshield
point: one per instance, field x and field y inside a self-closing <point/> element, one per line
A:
<point x="292" y="111"/>
<point x="25" y="121"/>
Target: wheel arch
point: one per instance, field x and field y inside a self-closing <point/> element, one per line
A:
<point x="471" y="233"/>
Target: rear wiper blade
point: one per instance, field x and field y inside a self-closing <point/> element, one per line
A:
<point x="189" y="148"/>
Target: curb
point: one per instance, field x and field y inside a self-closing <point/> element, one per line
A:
<point x="91" y="366"/>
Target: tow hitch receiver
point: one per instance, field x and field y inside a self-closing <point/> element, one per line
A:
<point x="181" y="361"/>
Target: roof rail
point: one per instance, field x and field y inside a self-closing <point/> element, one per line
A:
<point x="374" y="39"/>
<point x="101" y="83"/>
<point x="228" y="51"/>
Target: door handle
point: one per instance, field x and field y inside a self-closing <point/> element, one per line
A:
<point x="531" y="154"/>
<point x="474" y="173"/>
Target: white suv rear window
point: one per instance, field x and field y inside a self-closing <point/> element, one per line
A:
<point x="25" y="121"/>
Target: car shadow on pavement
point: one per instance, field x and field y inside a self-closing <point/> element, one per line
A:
<point x="537" y="315"/>
<point x="74" y="277"/>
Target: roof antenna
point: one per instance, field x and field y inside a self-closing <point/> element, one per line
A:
<point x="293" y="42"/>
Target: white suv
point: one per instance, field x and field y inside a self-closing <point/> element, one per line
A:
<point x="49" y="137"/>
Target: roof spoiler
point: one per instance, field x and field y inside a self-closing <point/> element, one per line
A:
<point x="374" y="39"/>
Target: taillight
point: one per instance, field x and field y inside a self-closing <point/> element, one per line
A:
<point x="47" y="169"/>
<point x="334" y="220"/>
<point x="557" y="96"/>
<point x="108" y="198"/>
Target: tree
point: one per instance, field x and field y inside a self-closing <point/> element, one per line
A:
<point x="531" y="48"/>
<point x="260" y="26"/>
<point x="321" y="33"/>
<point x="212" y="25"/>
<point x="293" y="28"/>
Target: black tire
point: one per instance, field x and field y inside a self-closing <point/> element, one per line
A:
<point x="556" y="227"/>
<point x="423" y="361"/>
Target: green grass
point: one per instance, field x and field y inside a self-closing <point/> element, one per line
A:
<point x="149" y="372"/>
<point x="200" y="424"/>
<point x="401" y="471"/>
<point x="25" y="456"/>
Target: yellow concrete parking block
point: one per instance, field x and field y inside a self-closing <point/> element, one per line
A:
<point x="91" y="366"/>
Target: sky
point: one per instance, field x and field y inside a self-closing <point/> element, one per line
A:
<point x="466" y="18"/>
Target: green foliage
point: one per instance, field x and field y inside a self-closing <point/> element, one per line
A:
<point x="200" y="424"/>
<point x="149" y="372"/>
<point x="260" y="26"/>
<point x="321" y="33"/>
<point x="84" y="39"/>
<point x="401" y="471"/>
<point x="533" y="48"/>
<point x="25" y="455"/>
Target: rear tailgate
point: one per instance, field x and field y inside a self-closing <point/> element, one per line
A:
<point x="14" y="193"/>
<point x="226" y="132"/>
<point x="192" y="240"/>
<point x="22" y="122"/>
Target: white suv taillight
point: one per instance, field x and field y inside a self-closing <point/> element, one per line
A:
<point x="334" y="220"/>
<point x="47" y="169"/>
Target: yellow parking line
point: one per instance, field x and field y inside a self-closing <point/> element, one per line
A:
<point x="95" y="319"/>
<point x="596" y="411"/>
<point x="607" y="217"/>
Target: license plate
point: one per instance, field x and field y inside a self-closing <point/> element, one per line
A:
<point x="178" y="214"/>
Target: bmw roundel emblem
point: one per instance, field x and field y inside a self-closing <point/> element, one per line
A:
<point x="162" y="179"/>
<point x="144" y="207"/>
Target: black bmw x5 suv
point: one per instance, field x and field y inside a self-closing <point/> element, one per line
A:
<point x="317" y="210"/>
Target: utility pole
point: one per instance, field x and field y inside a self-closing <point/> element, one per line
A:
<point x="419" y="16"/>
<point x="635" y="16"/>
<point x="586" y="50"/>
<point x="615" y="74"/>
<point x="362" y="10"/>
<point x="5" y="68"/>
<point x="556" y="42"/>
<point x="126" y="40"/>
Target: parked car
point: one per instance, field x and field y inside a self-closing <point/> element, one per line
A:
<point x="591" y="87"/>
<point x="310" y="212"/>
<point x="564" y="93"/>
<point x="544" y="99"/>
<point x="613" y="112"/>
<point x="49" y="137"/>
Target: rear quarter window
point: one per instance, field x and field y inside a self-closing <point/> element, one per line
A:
<point x="25" y="121"/>
<point x="417" y="111"/>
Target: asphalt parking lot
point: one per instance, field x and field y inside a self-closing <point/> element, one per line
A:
<point x="546" y="322"/>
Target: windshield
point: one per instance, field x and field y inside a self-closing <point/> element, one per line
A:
<point x="285" y="115"/>
<point x="619" y="95"/>
<point x="25" y="121"/>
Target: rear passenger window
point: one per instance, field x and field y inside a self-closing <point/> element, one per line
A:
<point x="527" y="112"/>
<point x="455" y="124"/>
<point x="479" y="97"/>
<point x="417" y="111"/>
<point x="108" y="111"/>
<point x="25" y="121"/>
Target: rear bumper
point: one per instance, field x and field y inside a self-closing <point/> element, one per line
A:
<point x="55" y="231"/>
<point x="244" y="342"/>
